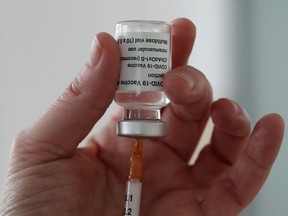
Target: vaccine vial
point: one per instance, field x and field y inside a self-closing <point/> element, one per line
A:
<point x="145" y="58"/>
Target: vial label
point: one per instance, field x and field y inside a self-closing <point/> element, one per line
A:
<point x="145" y="58"/>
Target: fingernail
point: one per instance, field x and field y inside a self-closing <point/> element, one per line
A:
<point x="240" y="111"/>
<point x="95" y="52"/>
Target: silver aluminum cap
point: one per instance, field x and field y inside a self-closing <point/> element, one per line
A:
<point x="141" y="128"/>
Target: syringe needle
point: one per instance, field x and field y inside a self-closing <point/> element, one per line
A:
<point x="134" y="185"/>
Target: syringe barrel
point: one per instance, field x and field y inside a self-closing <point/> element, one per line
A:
<point x="133" y="197"/>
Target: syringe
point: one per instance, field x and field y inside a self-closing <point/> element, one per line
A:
<point x="134" y="185"/>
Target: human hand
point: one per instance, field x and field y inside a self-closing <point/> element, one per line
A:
<point x="50" y="175"/>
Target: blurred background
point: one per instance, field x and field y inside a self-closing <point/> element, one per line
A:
<point x="241" y="46"/>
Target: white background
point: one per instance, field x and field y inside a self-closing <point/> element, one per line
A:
<point x="241" y="46"/>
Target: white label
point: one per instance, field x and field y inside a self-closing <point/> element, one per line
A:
<point x="145" y="58"/>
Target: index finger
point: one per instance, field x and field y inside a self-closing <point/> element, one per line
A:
<point x="183" y="36"/>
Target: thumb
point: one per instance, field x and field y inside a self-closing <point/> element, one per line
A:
<point x="60" y="130"/>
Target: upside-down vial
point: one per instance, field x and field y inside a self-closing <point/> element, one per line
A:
<point x="145" y="58"/>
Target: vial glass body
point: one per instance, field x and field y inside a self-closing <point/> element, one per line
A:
<point x="145" y="58"/>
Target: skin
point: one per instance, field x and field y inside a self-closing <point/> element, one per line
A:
<point x="49" y="174"/>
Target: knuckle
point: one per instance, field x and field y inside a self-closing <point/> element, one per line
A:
<point x="21" y="138"/>
<point x="75" y="91"/>
<point x="21" y="143"/>
<point x="79" y="85"/>
<point x="75" y="88"/>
